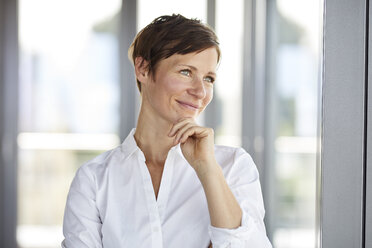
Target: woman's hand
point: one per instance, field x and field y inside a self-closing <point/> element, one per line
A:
<point x="197" y="144"/>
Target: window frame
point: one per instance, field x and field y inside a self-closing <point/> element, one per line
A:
<point x="344" y="113"/>
<point x="8" y="118"/>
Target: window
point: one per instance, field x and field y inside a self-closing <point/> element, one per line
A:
<point x="228" y="93"/>
<point x="69" y="105"/>
<point x="294" y="59"/>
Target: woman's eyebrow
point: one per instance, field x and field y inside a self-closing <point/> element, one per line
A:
<point x="195" y="69"/>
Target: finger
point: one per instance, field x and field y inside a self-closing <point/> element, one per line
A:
<point x="179" y="125"/>
<point x="177" y="128"/>
<point x="182" y="130"/>
<point x="196" y="131"/>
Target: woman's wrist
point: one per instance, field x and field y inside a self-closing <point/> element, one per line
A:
<point x="207" y="170"/>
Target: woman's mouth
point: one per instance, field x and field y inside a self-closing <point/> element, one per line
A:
<point x="188" y="105"/>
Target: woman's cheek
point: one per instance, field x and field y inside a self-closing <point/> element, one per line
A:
<point x="178" y="84"/>
<point x="209" y="95"/>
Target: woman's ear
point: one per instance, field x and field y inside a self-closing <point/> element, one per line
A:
<point x="141" y="69"/>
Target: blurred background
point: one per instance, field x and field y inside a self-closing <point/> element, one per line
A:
<point x="77" y="98"/>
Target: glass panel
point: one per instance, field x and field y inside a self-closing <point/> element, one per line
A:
<point x="228" y="87"/>
<point x="294" y="58"/>
<point x="69" y="105"/>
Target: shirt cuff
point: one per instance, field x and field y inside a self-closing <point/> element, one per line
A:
<point x="231" y="238"/>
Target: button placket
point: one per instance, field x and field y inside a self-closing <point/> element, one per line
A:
<point x="157" y="239"/>
<point x="166" y="181"/>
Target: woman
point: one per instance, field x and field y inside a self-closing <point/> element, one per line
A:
<point x="168" y="185"/>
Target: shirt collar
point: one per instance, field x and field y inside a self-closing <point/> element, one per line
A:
<point x="129" y="146"/>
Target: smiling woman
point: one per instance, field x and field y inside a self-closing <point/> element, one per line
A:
<point x="168" y="184"/>
<point x="182" y="86"/>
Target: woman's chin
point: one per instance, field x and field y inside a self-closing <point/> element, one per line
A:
<point x="176" y="116"/>
<point x="185" y="116"/>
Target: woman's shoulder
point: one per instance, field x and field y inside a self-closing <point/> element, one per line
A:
<point x="230" y="153"/>
<point x="234" y="160"/>
<point x="100" y="163"/>
<point x="227" y="149"/>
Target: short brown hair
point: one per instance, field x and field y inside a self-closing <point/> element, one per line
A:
<point x="168" y="35"/>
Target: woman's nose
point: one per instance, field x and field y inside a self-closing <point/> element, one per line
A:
<point x="198" y="88"/>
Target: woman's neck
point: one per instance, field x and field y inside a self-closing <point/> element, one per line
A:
<point x="152" y="137"/>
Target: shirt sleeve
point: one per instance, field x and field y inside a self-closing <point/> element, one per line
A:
<point x="243" y="180"/>
<point x="81" y="223"/>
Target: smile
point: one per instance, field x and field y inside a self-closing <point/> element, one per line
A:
<point x="188" y="105"/>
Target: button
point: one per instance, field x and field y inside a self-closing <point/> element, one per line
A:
<point x="156" y="229"/>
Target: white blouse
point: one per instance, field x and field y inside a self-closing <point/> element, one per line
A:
<point x="112" y="204"/>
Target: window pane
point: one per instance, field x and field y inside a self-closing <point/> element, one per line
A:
<point x="69" y="66"/>
<point x="228" y="87"/>
<point x="69" y="105"/>
<point x="295" y="37"/>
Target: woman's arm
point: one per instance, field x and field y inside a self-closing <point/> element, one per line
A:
<point x="197" y="144"/>
<point x="81" y="223"/>
<point x="236" y="210"/>
<point x="224" y="210"/>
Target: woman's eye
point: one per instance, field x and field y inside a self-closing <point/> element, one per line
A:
<point x="185" y="72"/>
<point x="209" y="79"/>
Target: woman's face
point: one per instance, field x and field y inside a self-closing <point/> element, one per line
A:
<point x="182" y="85"/>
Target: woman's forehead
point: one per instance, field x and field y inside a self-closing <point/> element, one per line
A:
<point x="205" y="58"/>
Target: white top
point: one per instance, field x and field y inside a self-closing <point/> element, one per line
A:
<point x="112" y="204"/>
